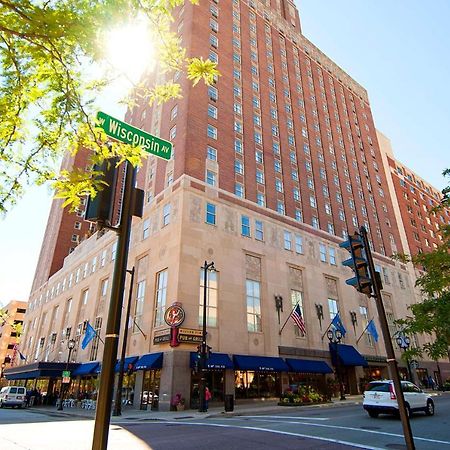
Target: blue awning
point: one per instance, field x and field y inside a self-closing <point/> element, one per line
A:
<point x="216" y="361"/>
<point x="308" y="366"/>
<point x="349" y="356"/>
<point x="260" y="363"/>
<point x="150" y="361"/>
<point x="86" y="369"/>
<point x="41" y="369"/>
<point x="129" y="360"/>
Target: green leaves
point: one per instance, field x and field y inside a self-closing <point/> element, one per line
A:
<point x="48" y="94"/>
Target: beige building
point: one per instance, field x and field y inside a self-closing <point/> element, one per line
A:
<point x="11" y="315"/>
<point x="257" y="259"/>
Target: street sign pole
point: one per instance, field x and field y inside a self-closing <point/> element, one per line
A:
<point x="103" y="409"/>
<point x="392" y="362"/>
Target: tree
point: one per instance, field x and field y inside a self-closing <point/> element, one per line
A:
<point x="48" y="95"/>
<point x="432" y="315"/>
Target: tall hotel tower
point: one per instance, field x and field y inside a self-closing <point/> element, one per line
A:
<point x="273" y="165"/>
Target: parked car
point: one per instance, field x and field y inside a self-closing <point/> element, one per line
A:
<point x="380" y="398"/>
<point x="13" y="396"/>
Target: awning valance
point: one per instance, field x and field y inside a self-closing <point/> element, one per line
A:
<point x="86" y="369"/>
<point x="308" y="366"/>
<point x="216" y="361"/>
<point x="41" y="369"/>
<point x="260" y="363"/>
<point x="349" y="356"/>
<point x="150" y="361"/>
<point x="130" y="360"/>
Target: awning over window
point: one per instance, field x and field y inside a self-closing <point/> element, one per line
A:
<point x="42" y="369"/>
<point x="349" y="356"/>
<point x="86" y="369"/>
<point x="216" y="361"/>
<point x="308" y="366"/>
<point x="150" y="361"/>
<point x="260" y="363"/>
<point x="129" y="360"/>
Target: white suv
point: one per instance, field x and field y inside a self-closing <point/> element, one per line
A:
<point x="380" y="398"/>
<point x="13" y="396"/>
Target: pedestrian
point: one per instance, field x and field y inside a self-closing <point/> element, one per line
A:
<point x="431" y="382"/>
<point x="207" y="397"/>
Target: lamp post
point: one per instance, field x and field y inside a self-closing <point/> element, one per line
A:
<point x="335" y="337"/>
<point x="70" y="346"/>
<point x="204" y="350"/>
<point x="3" y="369"/>
<point x="403" y="342"/>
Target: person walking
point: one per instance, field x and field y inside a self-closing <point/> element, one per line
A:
<point x="207" y="397"/>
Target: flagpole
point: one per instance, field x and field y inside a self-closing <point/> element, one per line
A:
<point x="331" y="323"/>
<point x="367" y="326"/>
<point x="286" y="321"/>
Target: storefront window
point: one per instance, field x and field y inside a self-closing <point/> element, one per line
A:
<point x="251" y="384"/>
<point x="150" y="388"/>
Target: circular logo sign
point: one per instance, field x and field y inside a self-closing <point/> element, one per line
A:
<point x="174" y="316"/>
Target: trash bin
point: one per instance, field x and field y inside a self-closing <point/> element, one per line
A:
<point x="229" y="403"/>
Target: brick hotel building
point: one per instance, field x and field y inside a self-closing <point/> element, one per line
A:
<point x="272" y="166"/>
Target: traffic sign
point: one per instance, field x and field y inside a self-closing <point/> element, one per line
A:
<point x="126" y="133"/>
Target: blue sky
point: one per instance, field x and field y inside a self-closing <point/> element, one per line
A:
<point x="397" y="49"/>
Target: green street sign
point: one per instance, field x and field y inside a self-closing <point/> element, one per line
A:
<point x="128" y="134"/>
<point x="66" y="374"/>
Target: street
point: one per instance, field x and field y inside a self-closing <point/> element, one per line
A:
<point x="326" y="427"/>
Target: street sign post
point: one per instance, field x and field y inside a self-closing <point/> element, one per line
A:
<point x="126" y="133"/>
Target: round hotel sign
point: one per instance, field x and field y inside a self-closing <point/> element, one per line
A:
<point x="174" y="315"/>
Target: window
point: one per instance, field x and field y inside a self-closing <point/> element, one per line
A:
<point x="211" y="132"/>
<point x="259" y="230"/>
<point x="114" y="251"/>
<point x="260" y="199"/>
<point x="253" y="301"/>
<point x="297" y="298"/>
<point x="213" y="93"/>
<point x="146" y="229"/>
<point x="211" y="298"/>
<point x="166" y="214"/>
<point x="245" y="226"/>
<point x="211" y="177"/>
<point x="174" y="112"/>
<point x="211" y="153"/>
<point x="277" y="165"/>
<point x="323" y="252"/>
<point x="332" y="255"/>
<point x="298" y="244"/>
<point x="238" y="146"/>
<point x="238" y="167"/>
<point x="211" y="213"/>
<point x="238" y="126"/>
<point x="161" y="295"/>
<point x="239" y="190"/>
<point x="212" y="111"/>
<point x="332" y="307"/>
<point x="287" y="240"/>
<point x="278" y="185"/>
<point x="259" y="176"/>
<point x="213" y="40"/>
<point x="104" y="287"/>
<point x="173" y="133"/>
<point x="280" y="206"/>
<point x="102" y="263"/>
<point x="259" y="157"/>
<point x="84" y="297"/>
<point x="213" y="25"/>
<point x="312" y="201"/>
<point x="139" y="306"/>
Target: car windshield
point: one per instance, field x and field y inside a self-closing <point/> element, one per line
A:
<point x="378" y="387"/>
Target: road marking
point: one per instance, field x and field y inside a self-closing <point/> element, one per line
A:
<point x="291" y="417"/>
<point x="435" y="441"/>
<point x="268" y="430"/>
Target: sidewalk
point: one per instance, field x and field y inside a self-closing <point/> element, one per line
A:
<point x="267" y="407"/>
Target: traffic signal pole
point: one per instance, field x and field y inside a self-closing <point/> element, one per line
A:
<point x="103" y="409"/>
<point x="392" y="362"/>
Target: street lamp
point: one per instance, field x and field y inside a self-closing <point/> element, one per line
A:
<point x="3" y="369"/>
<point x="204" y="350"/>
<point x="335" y="337"/>
<point x="70" y="346"/>
<point x="403" y="342"/>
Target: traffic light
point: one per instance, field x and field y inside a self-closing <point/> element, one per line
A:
<point x="199" y="351"/>
<point x="208" y="351"/>
<point x="100" y="207"/>
<point x="358" y="262"/>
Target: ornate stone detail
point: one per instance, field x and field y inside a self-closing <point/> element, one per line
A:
<point x="195" y="210"/>
<point x="296" y="278"/>
<point x="331" y="287"/>
<point x="253" y="267"/>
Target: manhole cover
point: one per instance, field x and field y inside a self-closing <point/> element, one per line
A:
<point x="396" y="446"/>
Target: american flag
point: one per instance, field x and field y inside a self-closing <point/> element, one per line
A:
<point x="298" y="319"/>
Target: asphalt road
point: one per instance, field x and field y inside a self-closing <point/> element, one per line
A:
<point x="342" y="427"/>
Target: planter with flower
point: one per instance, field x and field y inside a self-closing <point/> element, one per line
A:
<point x="305" y="395"/>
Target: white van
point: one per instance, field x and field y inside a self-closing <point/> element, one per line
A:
<point x="13" y="396"/>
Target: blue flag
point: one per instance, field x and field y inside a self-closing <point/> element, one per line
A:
<point x="338" y="325"/>
<point x="88" y="336"/>
<point x="372" y="330"/>
<point x="22" y="357"/>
